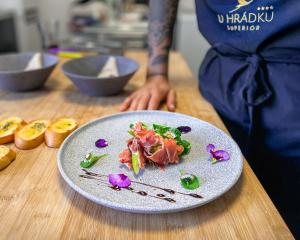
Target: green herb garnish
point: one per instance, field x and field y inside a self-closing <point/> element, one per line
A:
<point x="91" y="159"/>
<point x="145" y="125"/>
<point x="173" y="133"/>
<point x="131" y="132"/>
<point x="131" y="125"/>
<point x="186" y="145"/>
<point x="135" y="163"/>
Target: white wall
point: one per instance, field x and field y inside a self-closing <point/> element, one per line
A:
<point x="51" y="10"/>
<point x="27" y="34"/>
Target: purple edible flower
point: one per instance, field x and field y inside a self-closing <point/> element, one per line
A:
<point x="119" y="180"/>
<point x="184" y="129"/>
<point x="101" y="143"/>
<point x="217" y="155"/>
<point x="210" y="148"/>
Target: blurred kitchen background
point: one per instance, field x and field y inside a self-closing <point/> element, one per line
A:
<point x="107" y="26"/>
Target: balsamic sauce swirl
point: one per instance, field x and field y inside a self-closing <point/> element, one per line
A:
<point x="90" y="175"/>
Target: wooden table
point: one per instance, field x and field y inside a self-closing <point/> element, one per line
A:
<point x="36" y="203"/>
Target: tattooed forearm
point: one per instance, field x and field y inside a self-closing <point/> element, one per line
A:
<point x="161" y="23"/>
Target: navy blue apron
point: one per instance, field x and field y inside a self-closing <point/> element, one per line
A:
<point x="251" y="75"/>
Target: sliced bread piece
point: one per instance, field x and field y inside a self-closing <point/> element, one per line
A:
<point x="8" y="127"/>
<point x="7" y="155"/>
<point x="31" y="135"/>
<point x="58" y="131"/>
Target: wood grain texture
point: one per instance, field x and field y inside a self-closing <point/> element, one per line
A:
<point x="36" y="203"/>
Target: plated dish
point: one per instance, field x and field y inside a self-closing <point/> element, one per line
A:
<point x="173" y="162"/>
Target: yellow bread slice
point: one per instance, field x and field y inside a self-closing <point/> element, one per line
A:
<point x="31" y="135"/>
<point x="8" y="127"/>
<point x="7" y="155"/>
<point x="57" y="132"/>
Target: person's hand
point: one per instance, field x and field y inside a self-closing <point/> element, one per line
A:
<point x="156" y="90"/>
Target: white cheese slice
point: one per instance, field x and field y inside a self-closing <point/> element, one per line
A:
<point x="35" y="62"/>
<point x="110" y="69"/>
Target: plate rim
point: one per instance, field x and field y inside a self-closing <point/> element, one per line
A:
<point x="144" y="209"/>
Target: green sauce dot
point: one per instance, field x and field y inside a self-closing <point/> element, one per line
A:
<point x="189" y="181"/>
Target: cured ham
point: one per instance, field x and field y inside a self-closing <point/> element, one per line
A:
<point x="160" y="145"/>
<point x="125" y="157"/>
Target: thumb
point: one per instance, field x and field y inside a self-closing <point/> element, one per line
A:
<point x="171" y="100"/>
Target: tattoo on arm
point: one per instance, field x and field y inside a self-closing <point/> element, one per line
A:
<point x="161" y="23"/>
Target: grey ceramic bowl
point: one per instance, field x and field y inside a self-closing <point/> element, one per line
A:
<point x="83" y="73"/>
<point x="13" y="77"/>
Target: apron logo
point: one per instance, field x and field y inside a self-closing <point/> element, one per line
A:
<point x="242" y="3"/>
<point x="252" y="20"/>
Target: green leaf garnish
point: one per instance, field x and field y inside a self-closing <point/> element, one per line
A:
<point x="186" y="145"/>
<point x="160" y="129"/>
<point x="145" y="125"/>
<point x="135" y="163"/>
<point x="91" y="159"/>
<point x="131" y="133"/>
<point x="168" y="132"/>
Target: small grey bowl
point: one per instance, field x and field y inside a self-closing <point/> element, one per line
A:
<point x="83" y="73"/>
<point x="13" y="77"/>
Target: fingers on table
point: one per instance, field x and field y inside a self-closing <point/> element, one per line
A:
<point x="148" y="101"/>
<point x="134" y="103"/>
<point x="171" y="100"/>
<point x="154" y="102"/>
<point x="143" y="102"/>
<point x="126" y="104"/>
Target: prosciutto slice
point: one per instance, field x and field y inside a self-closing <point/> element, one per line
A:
<point x="147" y="138"/>
<point x="168" y="153"/>
<point x="136" y="148"/>
<point x="151" y="147"/>
<point x="125" y="158"/>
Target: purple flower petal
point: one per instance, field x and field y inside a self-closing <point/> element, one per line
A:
<point x="217" y="155"/>
<point x="210" y="148"/>
<point x="184" y="129"/>
<point x="220" y="155"/>
<point x="119" y="180"/>
<point x="101" y="143"/>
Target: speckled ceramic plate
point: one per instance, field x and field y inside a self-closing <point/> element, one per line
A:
<point x="217" y="178"/>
